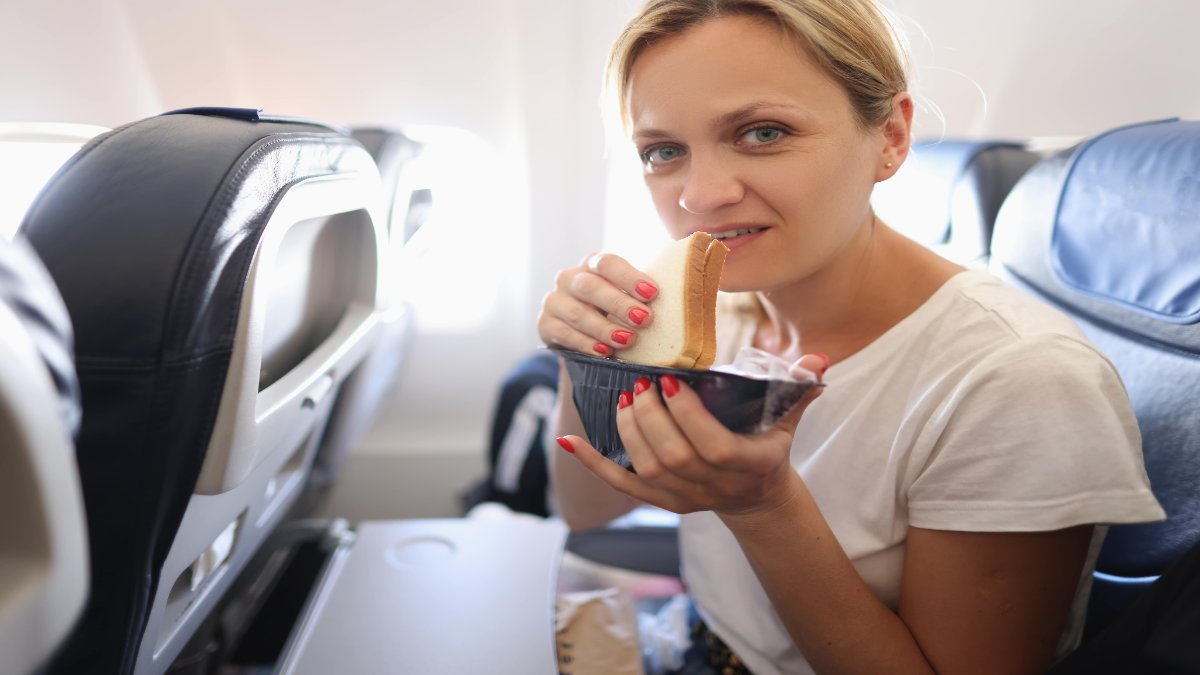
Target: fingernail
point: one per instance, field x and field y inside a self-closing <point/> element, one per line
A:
<point x="641" y="385"/>
<point x="566" y="445"/>
<point x="601" y="348"/>
<point x="625" y="400"/>
<point x="621" y="336"/>
<point x="638" y="315"/>
<point x="826" y="360"/>
<point x="669" y="384"/>
<point x="645" y="290"/>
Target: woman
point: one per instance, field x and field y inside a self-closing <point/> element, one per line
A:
<point x="935" y="509"/>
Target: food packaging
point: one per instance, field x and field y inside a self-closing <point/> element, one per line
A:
<point x="749" y="397"/>
<point x="596" y="633"/>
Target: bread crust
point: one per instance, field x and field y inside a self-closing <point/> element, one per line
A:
<point x="714" y="262"/>
<point x="693" y="327"/>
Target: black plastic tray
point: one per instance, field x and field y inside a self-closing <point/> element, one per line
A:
<point x="744" y="405"/>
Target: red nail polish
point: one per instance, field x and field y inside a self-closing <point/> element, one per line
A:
<point x="621" y="336"/>
<point x="669" y="384"/>
<point x="601" y="348"/>
<point x="641" y="385"/>
<point x="645" y="290"/>
<point x="566" y="445"/>
<point x="638" y="315"/>
<point x="826" y="360"/>
<point x="625" y="400"/>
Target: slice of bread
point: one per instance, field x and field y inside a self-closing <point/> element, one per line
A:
<point x="684" y="333"/>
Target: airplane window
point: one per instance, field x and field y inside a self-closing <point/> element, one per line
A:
<point x="30" y="153"/>
<point x="467" y="234"/>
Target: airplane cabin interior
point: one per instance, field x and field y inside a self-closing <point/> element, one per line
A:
<point x="273" y="398"/>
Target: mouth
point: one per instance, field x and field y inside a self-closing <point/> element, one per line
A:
<point x="730" y="234"/>
<point x="737" y="238"/>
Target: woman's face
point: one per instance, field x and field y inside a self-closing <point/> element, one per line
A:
<point x="738" y="129"/>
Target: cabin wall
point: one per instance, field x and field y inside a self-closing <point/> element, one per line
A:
<point x="524" y="75"/>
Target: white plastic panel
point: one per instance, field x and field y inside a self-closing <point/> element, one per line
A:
<point x="311" y="293"/>
<point x="436" y="596"/>
<point x="309" y="312"/>
<point x="43" y="537"/>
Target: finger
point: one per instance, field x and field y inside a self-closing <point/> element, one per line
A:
<point x="622" y="481"/>
<point x="644" y="459"/>
<point x="670" y="445"/>
<point x="590" y="328"/>
<point x="625" y="276"/>
<point x="619" y="305"/>
<point x="809" y="366"/>
<point x="716" y="445"/>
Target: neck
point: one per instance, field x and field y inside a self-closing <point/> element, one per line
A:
<point x="878" y="279"/>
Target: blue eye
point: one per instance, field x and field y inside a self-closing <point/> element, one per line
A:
<point x="762" y="135"/>
<point x="662" y="153"/>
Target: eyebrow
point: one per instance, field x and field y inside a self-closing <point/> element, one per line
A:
<point x="732" y="117"/>
<point x="735" y="116"/>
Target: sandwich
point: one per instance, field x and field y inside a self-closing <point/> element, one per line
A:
<point x="684" y="332"/>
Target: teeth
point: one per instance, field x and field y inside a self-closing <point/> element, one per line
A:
<point x="734" y="233"/>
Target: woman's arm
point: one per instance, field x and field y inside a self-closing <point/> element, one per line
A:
<point x="584" y="500"/>
<point x="970" y="602"/>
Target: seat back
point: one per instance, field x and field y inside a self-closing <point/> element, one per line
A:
<point x="222" y="272"/>
<point x="43" y="540"/>
<point x="360" y="398"/>
<point x="1110" y="233"/>
<point x="947" y="193"/>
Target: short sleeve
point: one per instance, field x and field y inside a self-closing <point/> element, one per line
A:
<point x="1038" y="436"/>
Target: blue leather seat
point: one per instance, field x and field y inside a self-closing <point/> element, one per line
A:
<point x="221" y="272"/>
<point x="1109" y="232"/>
<point x="947" y="193"/>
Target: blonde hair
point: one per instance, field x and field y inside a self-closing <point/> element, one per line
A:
<point x="854" y="41"/>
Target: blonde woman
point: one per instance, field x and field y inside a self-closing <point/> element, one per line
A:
<point x="935" y="509"/>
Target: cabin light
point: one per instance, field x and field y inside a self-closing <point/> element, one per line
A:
<point x="30" y="154"/>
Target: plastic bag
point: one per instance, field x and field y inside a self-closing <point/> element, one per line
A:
<point x="665" y="636"/>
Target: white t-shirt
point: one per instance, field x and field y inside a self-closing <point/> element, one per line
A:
<point x="983" y="411"/>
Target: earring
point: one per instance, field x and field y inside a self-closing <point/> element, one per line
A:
<point x="889" y="165"/>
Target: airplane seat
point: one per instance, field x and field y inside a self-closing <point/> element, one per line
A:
<point x="43" y="535"/>
<point x="221" y="269"/>
<point x="1107" y="233"/>
<point x="947" y="193"/>
<point x="361" y="395"/>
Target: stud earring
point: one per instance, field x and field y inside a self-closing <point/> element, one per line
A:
<point x="889" y="165"/>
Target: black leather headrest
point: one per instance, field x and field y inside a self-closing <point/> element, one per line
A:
<point x="1110" y="233"/>
<point x="28" y="290"/>
<point x="149" y="232"/>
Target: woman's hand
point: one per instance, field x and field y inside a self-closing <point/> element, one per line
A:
<point x="687" y="461"/>
<point x="593" y="307"/>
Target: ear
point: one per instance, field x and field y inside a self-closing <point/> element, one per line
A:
<point x="897" y="136"/>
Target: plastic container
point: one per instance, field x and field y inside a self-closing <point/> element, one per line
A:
<point x="745" y="405"/>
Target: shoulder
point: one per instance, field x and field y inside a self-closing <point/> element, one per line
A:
<point x="997" y="328"/>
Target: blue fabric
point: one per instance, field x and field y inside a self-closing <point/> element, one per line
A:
<point x="244" y="114"/>
<point x="1127" y="229"/>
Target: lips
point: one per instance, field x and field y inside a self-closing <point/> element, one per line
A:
<point x="729" y="234"/>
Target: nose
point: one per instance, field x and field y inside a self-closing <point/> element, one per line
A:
<point x="709" y="184"/>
